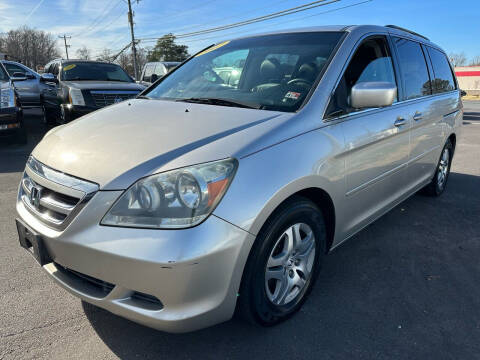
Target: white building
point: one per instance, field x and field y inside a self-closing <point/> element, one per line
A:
<point x="469" y="79"/>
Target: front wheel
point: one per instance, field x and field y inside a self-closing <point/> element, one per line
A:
<point x="442" y="171"/>
<point x="283" y="264"/>
<point x="21" y="136"/>
<point x="47" y="118"/>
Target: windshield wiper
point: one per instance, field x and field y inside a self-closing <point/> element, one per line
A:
<point x="144" y="97"/>
<point x="221" y="102"/>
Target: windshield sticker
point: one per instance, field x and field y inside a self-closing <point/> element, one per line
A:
<point x="69" y="67"/>
<point x="213" y="48"/>
<point x="292" y="95"/>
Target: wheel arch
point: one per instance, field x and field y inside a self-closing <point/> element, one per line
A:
<point x="453" y="140"/>
<point x="320" y="197"/>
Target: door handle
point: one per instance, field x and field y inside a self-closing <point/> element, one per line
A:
<point x="399" y="122"/>
<point x="418" y="116"/>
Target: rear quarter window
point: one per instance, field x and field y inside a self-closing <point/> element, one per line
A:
<point x="443" y="81"/>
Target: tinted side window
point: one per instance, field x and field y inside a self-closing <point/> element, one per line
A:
<point x="443" y="81"/>
<point x="3" y="74"/>
<point x="371" y="63"/>
<point x="12" y="68"/>
<point x="54" y="69"/>
<point x="414" y="69"/>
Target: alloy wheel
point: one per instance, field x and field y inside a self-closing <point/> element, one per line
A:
<point x="289" y="266"/>
<point x="443" y="168"/>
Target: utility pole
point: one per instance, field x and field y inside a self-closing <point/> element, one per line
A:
<point x="134" y="49"/>
<point x="65" y="37"/>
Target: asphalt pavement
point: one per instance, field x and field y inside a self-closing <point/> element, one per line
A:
<point x="406" y="287"/>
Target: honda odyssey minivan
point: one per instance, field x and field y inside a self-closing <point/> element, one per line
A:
<point x="203" y="197"/>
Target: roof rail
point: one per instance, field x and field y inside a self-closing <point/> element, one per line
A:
<point x="406" y="30"/>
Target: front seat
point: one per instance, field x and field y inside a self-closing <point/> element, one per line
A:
<point x="270" y="75"/>
<point x="306" y="75"/>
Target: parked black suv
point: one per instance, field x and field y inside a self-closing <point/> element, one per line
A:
<point x="77" y="87"/>
<point x="11" y="114"/>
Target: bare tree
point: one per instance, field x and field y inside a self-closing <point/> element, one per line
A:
<point x="458" y="59"/>
<point x="106" y="55"/>
<point x="142" y="54"/>
<point x="29" y="46"/>
<point x="475" y="61"/>
<point x="83" y="53"/>
<point x="125" y="60"/>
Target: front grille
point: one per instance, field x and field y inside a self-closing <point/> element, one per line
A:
<point x="52" y="196"/>
<point x="109" y="97"/>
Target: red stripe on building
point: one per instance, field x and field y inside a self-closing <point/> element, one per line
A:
<point x="467" y="73"/>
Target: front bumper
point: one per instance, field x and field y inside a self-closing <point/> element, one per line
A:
<point x="72" y="112"/>
<point x="195" y="273"/>
<point x="10" y="121"/>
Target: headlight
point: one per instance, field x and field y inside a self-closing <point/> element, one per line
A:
<point x="174" y="199"/>
<point x="76" y="97"/>
<point x="7" y="98"/>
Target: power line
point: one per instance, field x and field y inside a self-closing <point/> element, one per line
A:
<point x="236" y="33"/>
<point x="65" y="37"/>
<point x="33" y="10"/>
<point x="106" y="10"/>
<point x="108" y="24"/>
<point x="185" y="28"/>
<point x="276" y="23"/>
<point x="274" y="15"/>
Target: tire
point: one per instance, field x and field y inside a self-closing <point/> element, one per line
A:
<point x="47" y="118"/>
<point x="442" y="171"/>
<point x="263" y="301"/>
<point x="63" y="117"/>
<point x="21" y="137"/>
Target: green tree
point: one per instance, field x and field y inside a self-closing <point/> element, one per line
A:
<point x="167" y="50"/>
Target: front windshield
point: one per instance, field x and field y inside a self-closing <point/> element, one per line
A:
<point x="93" y="71"/>
<point x="3" y="74"/>
<point x="272" y="72"/>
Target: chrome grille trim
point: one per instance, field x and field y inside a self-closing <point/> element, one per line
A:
<point x="109" y="97"/>
<point x="58" y="197"/>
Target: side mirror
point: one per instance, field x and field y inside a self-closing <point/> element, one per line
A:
<point x="373" y="94"/>
<point x="18" y="76"/>
<point x="153" y="78"/>
<point x="463" y="93"/>
<point x="48" y="78"/>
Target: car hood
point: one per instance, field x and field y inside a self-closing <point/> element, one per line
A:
<point x="117" y="145"/>
<point x="104" y="85"/>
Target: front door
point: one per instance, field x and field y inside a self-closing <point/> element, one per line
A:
<point x="27" y="89"/>
<point x="377" y="140"/>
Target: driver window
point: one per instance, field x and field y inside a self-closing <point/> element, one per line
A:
<point x="372" y="62"/>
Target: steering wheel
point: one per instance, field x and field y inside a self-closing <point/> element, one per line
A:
<point x="299" y="81"/>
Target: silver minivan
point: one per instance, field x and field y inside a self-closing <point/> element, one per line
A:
<point x="209" y="195"/>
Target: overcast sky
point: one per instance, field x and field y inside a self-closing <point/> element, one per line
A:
<point x="98" y="24"/>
